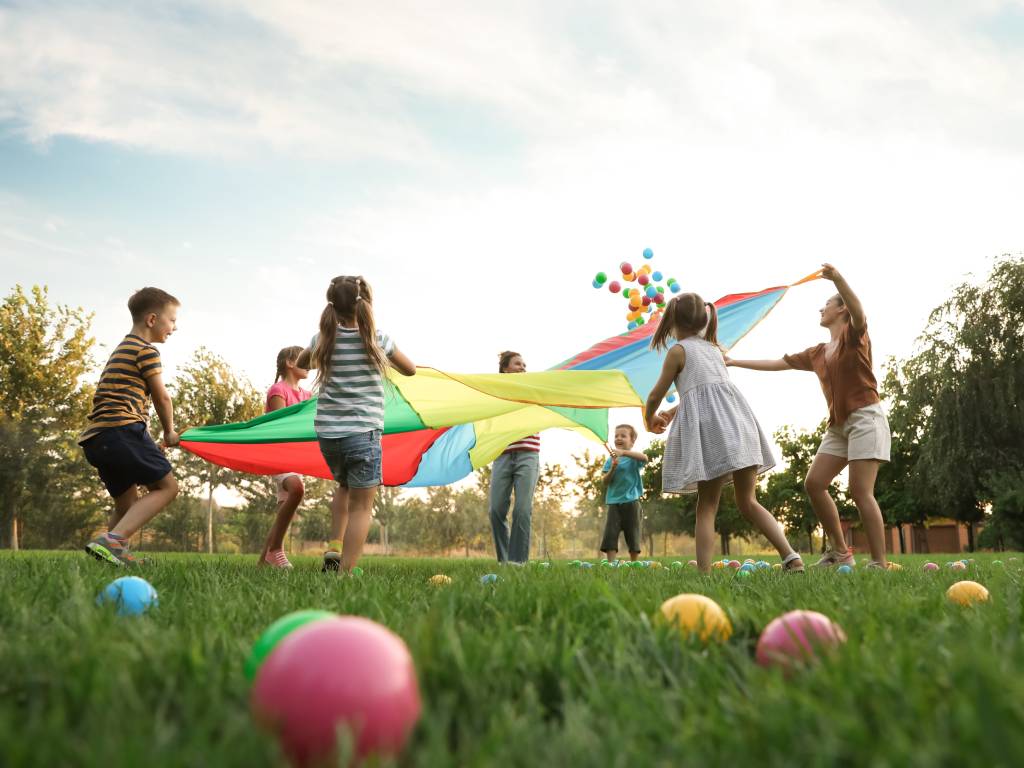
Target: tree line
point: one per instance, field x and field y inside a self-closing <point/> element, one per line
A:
<point x="955" y="405"/>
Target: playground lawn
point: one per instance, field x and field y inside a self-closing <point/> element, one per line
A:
<point x="557" y="667"/>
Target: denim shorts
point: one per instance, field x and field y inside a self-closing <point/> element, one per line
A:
<point x="125" y="457"/>
<point x="354" y="460"/>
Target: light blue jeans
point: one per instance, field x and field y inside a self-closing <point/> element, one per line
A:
<point x="517" y="471"/>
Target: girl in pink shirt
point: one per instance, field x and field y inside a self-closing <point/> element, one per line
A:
<point x="284" y="392"/>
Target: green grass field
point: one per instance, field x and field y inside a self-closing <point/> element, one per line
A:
<point x="558" y="667"/>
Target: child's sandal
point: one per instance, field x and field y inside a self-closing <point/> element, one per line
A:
<point x="793" y="563"/>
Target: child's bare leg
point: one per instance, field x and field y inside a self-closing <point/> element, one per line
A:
<point x="633" y="556"/>
<point x="161" y="493"/>
<point x="339" y="513"/>
<point x="121" y="505"/>
<point x="863" y="473"/>
<point x="285" y="512"/>
<point x="823" y="470"/>
<point x="745" y="481"/>
<point x="709" y="493"/>
<point x="609" y="554"/>
<point x="360" y="512"/>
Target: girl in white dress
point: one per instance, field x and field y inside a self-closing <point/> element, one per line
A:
<point x="715" y="438"/>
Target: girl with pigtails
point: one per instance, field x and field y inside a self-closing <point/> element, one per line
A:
<point x="715" y="439"/>
<point x="351" y="357"/>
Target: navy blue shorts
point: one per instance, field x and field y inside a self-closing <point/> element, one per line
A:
<point x="624" y="518"/>
<point x="354" y="460"/>
<point x="126" y="456"/>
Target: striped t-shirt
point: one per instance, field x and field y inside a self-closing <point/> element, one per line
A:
<point x="351" y="399"/>
<point x="531" y="443"/>
<point x="122" y="396"/>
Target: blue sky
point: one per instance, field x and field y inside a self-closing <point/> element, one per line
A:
<point x="478" y="164"/>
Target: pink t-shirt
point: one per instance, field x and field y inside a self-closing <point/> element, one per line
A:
<point x="290" y="396"/>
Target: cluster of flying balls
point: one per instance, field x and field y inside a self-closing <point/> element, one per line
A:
<point x="314" y="672"/>
<point x="647" y="299"/>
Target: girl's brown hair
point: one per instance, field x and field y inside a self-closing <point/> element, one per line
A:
<point x="505" y="358"/>
<point x="285" y="356"/>
<point x="348" y="298"/>
<point x="688" y="313"/>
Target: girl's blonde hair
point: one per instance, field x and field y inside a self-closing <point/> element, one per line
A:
<point x="687" y="313"/>
<point x="348" y="298"/>
<point x="285" y="356"/>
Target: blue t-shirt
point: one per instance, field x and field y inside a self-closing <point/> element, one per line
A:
<point x="626" y="484"/>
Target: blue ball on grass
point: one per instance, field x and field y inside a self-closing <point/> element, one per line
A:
<point x="131" y="594"/>
<point x="844" y="569"/>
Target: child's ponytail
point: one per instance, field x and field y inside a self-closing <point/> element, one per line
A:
<point x="665" y="326"/>
<point x="711" y="331"/>
<point x="325" y="340"/>
<point x="367" y="326"/>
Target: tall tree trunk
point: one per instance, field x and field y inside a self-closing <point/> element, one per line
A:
<point x="970" y="537"/>
<point x="664" y="546"/>
<point x="903" y="542"/>
<point x="14" y="531"/>
<point x="209" y="517"/>
<point x="385" y="543"/>
<point x="725" y="543"/>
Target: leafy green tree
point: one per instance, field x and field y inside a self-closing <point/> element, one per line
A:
<point x="45" y="482"/>
<point x="964" y="390"/>
<point x="207" y="391"/>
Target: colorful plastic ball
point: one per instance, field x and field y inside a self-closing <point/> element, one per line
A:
<point x="734" y="563"/>
<point x="648" y="253"/>
<point x="277" y="632"/>
<point x="931" y="566"/>
<point x="718" y="564"/>
<point x="626" y="292"/>
<point x="844" y="569"/>
<point x="967" y="593"/>
<point x="762" y="565"/>
<point x="576" y="563"/>
<point x="614" y="286"/>
<point x="655" y="565"/>
<point x="747" y="567"/>
<point x="595" y="284"/>
<point x="677" y="564"/>
<point x="745" y="573"/>
<point x="632" y="326"/>
<point x="489" y="578"/>
<point x="894" y="566"/>
<point x="797" y="637"/>
<point x="630" y="278"/>
<point x="440" y="580"/>
<point x="749" y="561"/>
<point x="340" y="673"/>
<point x="645" y="301"/>
<point x="697" y="615"/>
<point x="356" y="571"/>
<point x="692" y="563"/>
<point x="601" y="278"/>
<point x="626" y="268"/>
<point x="131" y="594"/>
<point x="956" y="565"/>
<point x="586" y="565"/>
<point x="650" y="292"/>
<point x="643" y="279"/>
<point x="671" y="398"/>
<point x="674" y="287"/>
<point x="776" y="566"/>
<point x="640" y="321"/>
<point x="997" y="562"/>
<point x="656" y="276"/>
<point x="659" y="298"/>
<point x="604" y="564"/>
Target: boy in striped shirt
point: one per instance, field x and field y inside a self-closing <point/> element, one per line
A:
<point x="116" y="440"/>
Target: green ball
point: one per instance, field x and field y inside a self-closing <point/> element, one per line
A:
<point x="356" y="571"/>
<point x="605" y="564"/>
<point x="744" y="574"/>
<point x="275" y="633"/>
<point x="676" y="564"/>
<point x="626" y="292"/>
<point x="575" y="563"/>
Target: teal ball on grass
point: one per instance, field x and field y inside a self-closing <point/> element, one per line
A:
<point x="489" y="578"/>
<point x="762" y="565"/>
<point x="586" y="564"/>
<point x="131" y="594"/>
<point x="747" y="568"/>
<point x="844" y="569"/>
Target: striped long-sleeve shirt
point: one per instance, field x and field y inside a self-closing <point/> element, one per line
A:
<point x="122" y="395"/>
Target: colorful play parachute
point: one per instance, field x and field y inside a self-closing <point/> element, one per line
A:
<point x="439" y="427"/>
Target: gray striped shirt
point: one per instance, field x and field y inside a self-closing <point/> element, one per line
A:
<point x="351" y="399"/>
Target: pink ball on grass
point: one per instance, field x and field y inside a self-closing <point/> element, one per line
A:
<point x="735" y="563"/>
<point x="931" y="566"/>
<point x="340" y="672"/>
<point x="797" y="637"/>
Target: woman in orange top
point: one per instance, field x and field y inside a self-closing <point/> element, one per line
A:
<point x="858" y="431"/>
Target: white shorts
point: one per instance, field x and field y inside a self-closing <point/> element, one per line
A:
<point x="282" y="494"/>
<point x="865" y="435"/>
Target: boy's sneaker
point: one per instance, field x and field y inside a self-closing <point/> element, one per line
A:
<point x="332" y="561"/>
<point x="112" y="550"/>
<point x="276" y="558"/>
